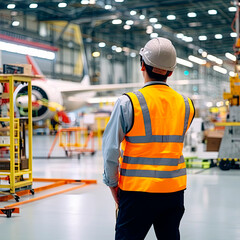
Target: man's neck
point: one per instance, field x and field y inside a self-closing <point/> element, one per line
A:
<point x="147" y="79"/>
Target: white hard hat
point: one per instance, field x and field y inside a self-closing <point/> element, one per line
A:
<point x="159" y="53"/>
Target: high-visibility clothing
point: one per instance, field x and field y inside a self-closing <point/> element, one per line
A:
<point x="151" y="153"/>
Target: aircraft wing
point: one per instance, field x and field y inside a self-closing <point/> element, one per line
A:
<point x="100" y="88"/>
<point x="73" y="88"/>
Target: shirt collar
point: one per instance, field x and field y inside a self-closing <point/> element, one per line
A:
<point x="155" y="83"/>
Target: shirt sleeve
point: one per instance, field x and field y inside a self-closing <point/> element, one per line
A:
<point x="119" y="124"/>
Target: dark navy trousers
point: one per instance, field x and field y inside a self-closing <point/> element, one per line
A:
<point x="138" y="211"/>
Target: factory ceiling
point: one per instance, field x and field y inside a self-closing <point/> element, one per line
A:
<point x="204" y="24"/>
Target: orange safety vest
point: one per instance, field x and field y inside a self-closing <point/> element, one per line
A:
<point x="151" y="153"/>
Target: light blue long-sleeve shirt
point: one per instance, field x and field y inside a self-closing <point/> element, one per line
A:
<point x="119" y="124"/>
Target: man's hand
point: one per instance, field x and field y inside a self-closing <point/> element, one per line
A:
<point x="114" y="191"/>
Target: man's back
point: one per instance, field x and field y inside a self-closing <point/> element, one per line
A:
<point x="147" y="176"/>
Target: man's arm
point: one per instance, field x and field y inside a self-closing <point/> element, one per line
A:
<point x="118" y="125"/>
<point x="114" y="191"/>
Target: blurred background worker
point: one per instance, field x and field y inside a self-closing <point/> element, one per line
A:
<point x="147" y="177"/>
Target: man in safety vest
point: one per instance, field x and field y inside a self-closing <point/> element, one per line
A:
<point x="147" y="176"/>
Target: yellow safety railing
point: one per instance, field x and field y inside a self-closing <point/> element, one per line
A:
<point x="101" y="125"/>
<point x="75" y="139"/>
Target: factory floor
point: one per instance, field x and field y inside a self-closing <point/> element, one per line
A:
<point x="211" y="200"/>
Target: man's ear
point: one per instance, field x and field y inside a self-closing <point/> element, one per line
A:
<point x="170" y="74"/>
<point x="143" y="67"/>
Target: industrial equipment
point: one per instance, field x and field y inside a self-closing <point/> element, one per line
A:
<point x="74" y="139"/>
<point x="16" y="163"/>
<point x="229" y="152"/>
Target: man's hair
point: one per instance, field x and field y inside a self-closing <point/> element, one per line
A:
<point x="153" y="75"/>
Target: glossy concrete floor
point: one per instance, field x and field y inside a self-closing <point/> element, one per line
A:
<point x="212" y="203"/>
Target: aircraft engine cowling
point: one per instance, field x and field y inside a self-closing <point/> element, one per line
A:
<point x="42" y="96"/>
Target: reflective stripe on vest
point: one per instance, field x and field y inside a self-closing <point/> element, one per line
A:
<point x="148" y="128"/>
<point x="153" y="174"/>
<point x="153" y="161"/>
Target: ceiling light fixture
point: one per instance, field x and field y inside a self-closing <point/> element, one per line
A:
<point x="114" y="47"/>
<point x="230" y="56"/>
<point x="142" y="17"/>
<point x="204" y="54"/>
<point x="212" y="12"/>
<point x="62" y="5"/>
<point x="197" y="60"/>
<point x="171" y="17"/>
<point x="157" y="26"/>
<point x="11" y="6"/>
<point x="153" y="35"/>
<point x="118" y="49"/>
<point x="233" y="34"/>
<point x="232" y="74"/>
<point x="153" y="20"/>
<point x="96" y="54"/>
<point x="218" y="36"/>
<point x="214" y="59"/>
<point x="220" y="69"/>
<point x="129" y="22"/>
<point x="232" y="9"/>
<point x="127" y="27"/>
<point x="133" y="13"/>
<point x="184" y="62"/>
<point x="202" y="38"/>
<point x="108" y="7"/>
<point x="84" y="2"/>
<point x="102" y="44"/>
<point x="187" y="39"/>
<point x="33" y="5"/>
<point x="133" y="54"/>
<point x="116" y="21"/>
<point x="15" y="23"/>
<point x="191" y="14"/>
<point x="180" y="35"/>
<point x="119" y="1"/>
<point x="219" y="61"/>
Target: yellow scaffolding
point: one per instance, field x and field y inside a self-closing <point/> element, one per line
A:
<point x="15" y="172"/>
